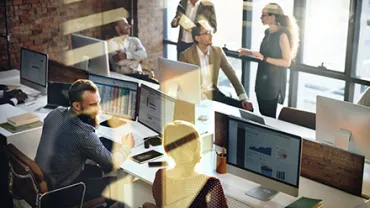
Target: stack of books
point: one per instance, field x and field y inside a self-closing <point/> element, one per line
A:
<point x="22" y="122"/>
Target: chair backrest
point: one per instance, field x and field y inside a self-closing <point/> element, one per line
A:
<point x="27" y="180"/>
<point x="298" y="117"/>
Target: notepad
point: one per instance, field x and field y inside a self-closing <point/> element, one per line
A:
<point x="305" y="202"/>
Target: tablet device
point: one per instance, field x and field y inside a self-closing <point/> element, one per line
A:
<point x="146" y="156"/>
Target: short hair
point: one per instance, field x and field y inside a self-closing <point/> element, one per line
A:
<point x="195" y="31"/>
<point x="78" y="88"/>
<point x="181" y="141"/>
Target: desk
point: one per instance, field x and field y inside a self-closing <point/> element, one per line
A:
<point x="235" y="186"/>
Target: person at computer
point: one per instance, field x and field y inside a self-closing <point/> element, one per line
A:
<point x="210" y="59"/>
<point x="365" y="98"/>
<point x="182" y="186"/>
<point x="278" y="49"/>
<point x="12" y="97"/>
<point x="68" y="139"/>
<point x="125" y="52"/>
<point x="195" y="10"/>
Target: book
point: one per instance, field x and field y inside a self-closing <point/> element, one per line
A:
<point x="23" y="119"/>
<point x="186" y="23"/>
<point x="305" y="202"/>
<point x="13" y="129"/>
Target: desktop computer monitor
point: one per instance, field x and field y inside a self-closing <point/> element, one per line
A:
<point x="58" y="94"/>
<point x="264" y="155"/>
<point x="34" y="70"/>
<point x="222" y="121"/>
<point x="90" y="54"/>
<point x="180" y="80"/>
<point x="118" y="97"/>
<point x="156" y="109"/>
<point x="343" y="124"/>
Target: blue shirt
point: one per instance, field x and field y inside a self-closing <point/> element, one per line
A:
<point x="66" y="143"/>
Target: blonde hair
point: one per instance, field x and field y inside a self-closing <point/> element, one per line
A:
<point x="181" y="142"/>
<point x="288" y="23"/>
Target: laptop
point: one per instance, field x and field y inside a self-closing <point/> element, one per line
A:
<point x="58" y="94"/>
<point x="251" y="116"/>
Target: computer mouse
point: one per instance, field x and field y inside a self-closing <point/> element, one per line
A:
<point x="203" y="118"/>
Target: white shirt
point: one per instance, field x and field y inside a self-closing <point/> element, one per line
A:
<point x="206" y="73"/>
<point x="191" y="13"/>
<point x="134" y="50"/>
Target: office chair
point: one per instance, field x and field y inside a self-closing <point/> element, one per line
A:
<point x="27" y="183"/>
<point x="298" y="117"/>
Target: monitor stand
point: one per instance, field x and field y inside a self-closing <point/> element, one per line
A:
<point x="261" y="193"/>
<point x="342" y="139"/>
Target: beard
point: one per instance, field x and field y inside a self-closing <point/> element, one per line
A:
<point x="91" y="119"/>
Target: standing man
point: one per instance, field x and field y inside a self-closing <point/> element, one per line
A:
<point x="210" y="59"/>
<point x="125" y="52"/>
<point x="195" y="10"/>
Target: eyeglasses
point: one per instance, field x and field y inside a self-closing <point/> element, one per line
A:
<point x="264" y="15"/>
<point x="210" y="32"/>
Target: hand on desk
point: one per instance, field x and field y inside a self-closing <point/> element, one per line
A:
<point x="18" y="94"/>
<point x="247" y="105"/>
<point x="128" y="140"/>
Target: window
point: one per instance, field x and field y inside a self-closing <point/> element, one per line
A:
<point x="363" y="56"/>
<point x="224" y="83"/>
<point x="170" y="33"/>
<point x="325" y="33"/>
<point x="312" y="85"/>
<point x="229" y="15"/>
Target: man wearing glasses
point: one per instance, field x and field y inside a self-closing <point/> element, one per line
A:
<point x="210" y="59"/>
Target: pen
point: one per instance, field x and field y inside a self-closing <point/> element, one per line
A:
<point x="223" y="152"/>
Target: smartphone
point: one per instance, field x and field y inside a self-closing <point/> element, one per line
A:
<point x="157" y="164"/>
<point x="146" y="156"/>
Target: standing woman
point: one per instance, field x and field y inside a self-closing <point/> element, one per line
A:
<point x="278" y="48"/>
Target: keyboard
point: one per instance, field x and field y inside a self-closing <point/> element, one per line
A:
<point x="233" y="203"/>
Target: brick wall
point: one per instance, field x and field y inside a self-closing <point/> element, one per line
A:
<point x="150" y="26"/>
<point x="40" y="25"/>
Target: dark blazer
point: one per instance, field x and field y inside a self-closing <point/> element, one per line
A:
<point x="217" y="59"/>
<point x="206" y="11"/>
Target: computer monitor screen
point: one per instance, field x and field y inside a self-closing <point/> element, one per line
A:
<point x="180" y="80"/>
<point x="156" y="109"/>
<point x="58" y="94"/>
<point x="343" y="124"/>
<point x="118" y="97"/>
<point x="264" y="155"/>
<point x="222" y="121"/>
<point x="90" y="54"/>
<point x="34" y="70"/>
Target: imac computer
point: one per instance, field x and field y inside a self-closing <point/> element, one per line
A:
<point x="222" y="121"/>
<point x="90" y="54"/>
<point x="156" y="109"/>
<point x="343" y="124"/>
<point x="34" y="70"/>
<point x="180" y="80"/>
<point x="118" y="97"/>
<point x="263" y="155"/>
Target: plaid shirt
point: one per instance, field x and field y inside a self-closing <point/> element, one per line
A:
<point x="66" y="143"/>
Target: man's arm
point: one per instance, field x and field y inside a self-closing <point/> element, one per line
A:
<point x="94" y="150"/>
<point x="230" y="73"/>
<point x="175" y="20"/>
<point x="182" y="57"/>
<point x="365" y="98"/>
<point x="212" y="19"/>
<point x="139" y="53"/>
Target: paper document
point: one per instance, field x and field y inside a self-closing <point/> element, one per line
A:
<point x="186" y="23"/>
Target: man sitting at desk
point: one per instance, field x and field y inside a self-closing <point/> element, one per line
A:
<point x="125" y="52"/>
<point x="12" y="97"/>
<point x="68" y="139"/>
<point x="210" y="59"/>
